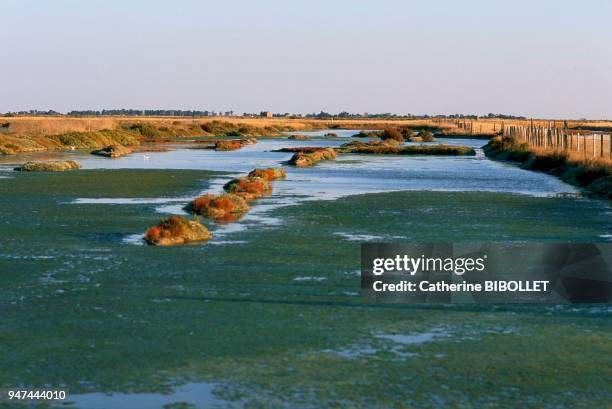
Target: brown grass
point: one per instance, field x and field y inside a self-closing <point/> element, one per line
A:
<point x="40" y="133"/>
<point x="25" y="125"/>
<point x="576" y="157"/>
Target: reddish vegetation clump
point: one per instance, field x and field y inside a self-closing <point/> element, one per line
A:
<point x="227" y="207"/>
<point x="228" y="145"/>
<point x="268" y="174"/>
<point x="249" y="188"/>
<point x="176" y="230"/>
<point x="219" y="207"/>
<point x="233" y="144"/>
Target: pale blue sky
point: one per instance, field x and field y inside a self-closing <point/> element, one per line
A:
<point x="536" y="58"/>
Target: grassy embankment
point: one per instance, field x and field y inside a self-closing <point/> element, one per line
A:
<point x="594" y="175"/>
<point x="26" y="134"/>
<point x="395" y="147"/>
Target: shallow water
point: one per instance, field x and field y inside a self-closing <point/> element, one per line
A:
<point x="349" y="175"/>
<point x="268" y="313"/>
<point x="200" y="394"/>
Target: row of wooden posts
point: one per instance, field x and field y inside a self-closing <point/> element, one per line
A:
<point x="588" y="145"/>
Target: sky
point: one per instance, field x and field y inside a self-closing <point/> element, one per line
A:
<point x="539" y="58"/>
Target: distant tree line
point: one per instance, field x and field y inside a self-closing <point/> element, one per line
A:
<point x="194" y="113"/>
<point x="34" y="112"/>
<point x="387" y="115"/>
<point x="149" y="112"/>
<point x="121" y="112"/>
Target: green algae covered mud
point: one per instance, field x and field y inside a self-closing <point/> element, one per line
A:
<point x="268" y="312"/>
<point x="168" y="325"/>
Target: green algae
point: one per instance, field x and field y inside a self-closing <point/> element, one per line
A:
<point x="84" y="309"/>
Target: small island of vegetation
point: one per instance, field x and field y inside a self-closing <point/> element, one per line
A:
<point x="268" y="173"/>
<point x="305" y="158"/>
<point x="112" y="151"/>
<point x="177" y="230"/>
<point x="226" y="207"/>
<point x="52" y="166"/>
<point x="393" y="147"/>
<point x="249" y="188"/>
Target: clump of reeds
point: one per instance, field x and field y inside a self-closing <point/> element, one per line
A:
<point x="392" y="134"/>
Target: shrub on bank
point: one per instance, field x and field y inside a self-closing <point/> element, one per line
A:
<point x="367" y="134"/>
<point x="392" y="133"/>
<point x="426" y="136"/>
<point x="226" y="128"/>
<point x="151" y="132"/>
<point x="407" y="133"/>
<point x="97" y="139"/>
